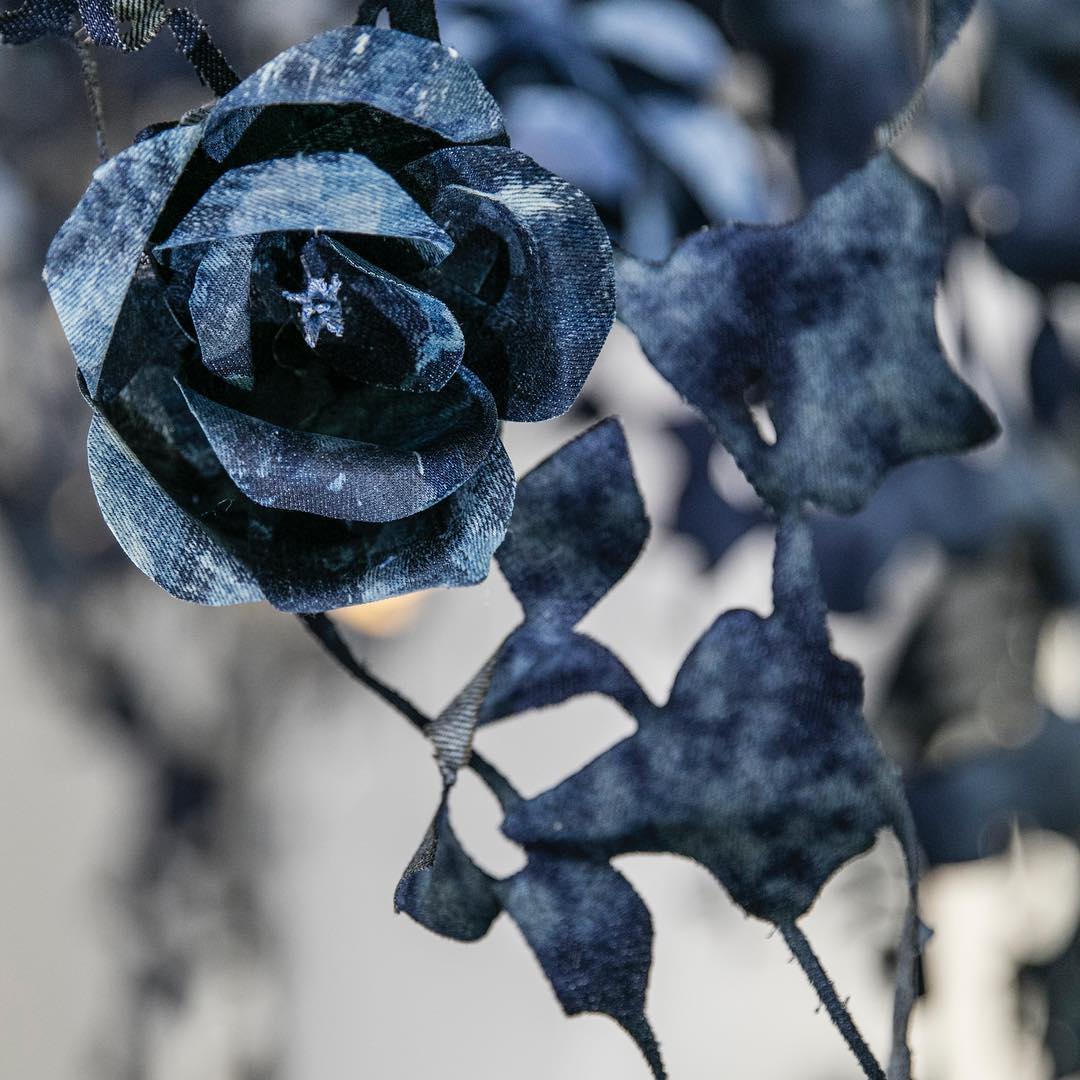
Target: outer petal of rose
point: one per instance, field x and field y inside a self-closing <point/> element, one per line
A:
<point x="95" y="255"/>
<point x="419" y="81"/>
<point x="576" y="136"/>
<point x="443" y="443"/>
<point x="328" y="192"/>
<point x="534" y="339"/>
<point x="450" y="544"/>
<point x="165" y="542"/>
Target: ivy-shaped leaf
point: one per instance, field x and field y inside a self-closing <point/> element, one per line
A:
<point x="592" y="934"/>
<point x="443" y="889"/>
<point x="578" y="525"/>
<point x="829" y="321"/>
<point x="760" y="767"/>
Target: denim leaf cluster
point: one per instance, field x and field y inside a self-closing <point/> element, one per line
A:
<point x="828" y="322"/>
<point x="301" y="314"/>
<point x="578" y="525"/>
<point x="620" y="97"/>
<point x="760" y="765"/>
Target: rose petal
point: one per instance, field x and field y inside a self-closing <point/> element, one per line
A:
<point x="221" y="310"/>
<point x="419" y="81"/>
<point x="165" y="542"/>
<point x="326" y="192"/>
<point x="94" y="257"/>
<point x="443" y="440"/>
<point x="300" y="569"/>
<point x="535" y="336"/>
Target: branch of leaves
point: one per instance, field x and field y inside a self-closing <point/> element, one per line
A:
<point x="760" y="766"/>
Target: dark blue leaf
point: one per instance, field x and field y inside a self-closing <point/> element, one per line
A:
<point x="592" y="934"/>
<point x="444" y="890"/>
<point x="760" y="766"/>
<point x="578" y="526"/>
<point x="829" y="321"/>
<point x="536" y="669"/>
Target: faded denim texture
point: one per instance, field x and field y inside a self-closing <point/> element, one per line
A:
<point x="827" y="321"/>
<point x="301" y="314"/>
<point x="842" y="73"/>
<point x="760" y="765"/>
<point x="127" y="25"/>
<point x="620" y="97"/>
<point x="578" y="525"/>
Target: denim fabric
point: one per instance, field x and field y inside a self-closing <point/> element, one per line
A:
<point x="619" y="96"/>
<point x="842" y="73"/>
<point x="578" y="525"/>
<point x="419" y="82"/>
<point x="102" y="20"/>
<point x="355" y="306"/>
<point x="967" y="809"/>
<point x="760" y="766"/>
<point x="535" y="344"/>
<point x="592" y="935"/>
<point x="444" y="890"/>
<point x="97" y="251"/>
<point x="33" y="19"/>
<point x="830" y="322"/>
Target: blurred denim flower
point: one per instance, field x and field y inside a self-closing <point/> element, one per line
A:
<point x="844" y="73"/>
<point x="620" y="97"/>
<point x="301" y="313"/>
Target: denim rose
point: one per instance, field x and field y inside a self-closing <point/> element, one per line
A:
<point x="300" y="315"/>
